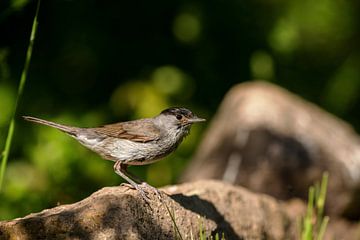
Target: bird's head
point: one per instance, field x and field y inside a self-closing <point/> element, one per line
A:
<point x="177" y="119"/>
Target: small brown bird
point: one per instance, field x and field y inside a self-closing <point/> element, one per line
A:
<point x="137" y="142"/>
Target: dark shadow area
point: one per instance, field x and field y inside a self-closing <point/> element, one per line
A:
<point x="283" y="165"/>
<point x="352" y="212"/>
<point x="4" y="235"/>
<point x="142" y="220"/>
<point x="208" y="210"/>
<point x="65" y="225"/>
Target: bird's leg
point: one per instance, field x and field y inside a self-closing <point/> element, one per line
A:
<point x="121" y="170"/>
<point x="132" y="176"/>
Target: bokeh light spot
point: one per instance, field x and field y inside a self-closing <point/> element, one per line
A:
<point x="168" y="79"/>
<point x="18" y="4"/>
<point x="262" y="65"/>
<point x="22" y="177"/>
<point x="343" y="89"/>
<point x="138" y="97"/>
<point x="187" y="27"/>
<point x="285" y="37"/>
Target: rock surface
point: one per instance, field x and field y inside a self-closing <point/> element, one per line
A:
<point x="120" y="213"/>
<point x="271" y="141"/>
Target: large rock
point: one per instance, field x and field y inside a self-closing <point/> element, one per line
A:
<point x="120" y="213"/>
<point x="272" y="141"/>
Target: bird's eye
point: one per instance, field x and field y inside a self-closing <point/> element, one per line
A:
<point x="179" y="117"/>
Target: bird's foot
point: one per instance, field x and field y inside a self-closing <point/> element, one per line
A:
<point x="154" y="189"/>
<point x="143" y="189"/>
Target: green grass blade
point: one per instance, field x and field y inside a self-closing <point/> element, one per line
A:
<point x="201" y="230"/>
<point x="172" y="216"/>
<point x="314" y="226"/>
<point x="308" y="225"/>
<point x="322" y="230"/>
<point x="320" y="203"/>
<point x="5" y="154"/>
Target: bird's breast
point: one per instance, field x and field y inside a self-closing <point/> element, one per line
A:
<point x="130" y="152"/>
<point x="134" y="153"/>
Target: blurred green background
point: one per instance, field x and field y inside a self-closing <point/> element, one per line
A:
<point x="97" y="62"/>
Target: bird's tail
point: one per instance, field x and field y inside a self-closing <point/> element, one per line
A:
<point x="69" y="130"/>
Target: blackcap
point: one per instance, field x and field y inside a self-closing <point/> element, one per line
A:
<point x="137" y="142"/>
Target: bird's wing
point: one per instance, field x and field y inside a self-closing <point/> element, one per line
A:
<point x="137" y="131"/>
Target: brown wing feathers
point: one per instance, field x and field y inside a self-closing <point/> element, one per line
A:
<point x="144" y="132"/>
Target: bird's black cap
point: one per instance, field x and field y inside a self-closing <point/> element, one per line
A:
<point x="178" y="110"/>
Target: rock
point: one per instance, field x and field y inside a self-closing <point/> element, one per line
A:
<point x="272" y="141"/>
<point x="120" y="213"/>
<point x="341" y="229"/>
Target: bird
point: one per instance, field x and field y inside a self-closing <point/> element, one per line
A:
<point x="136" y="142"/>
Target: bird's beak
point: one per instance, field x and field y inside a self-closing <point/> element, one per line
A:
<point x="196" y="119"/>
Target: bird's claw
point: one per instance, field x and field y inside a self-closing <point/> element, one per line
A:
<point x="154" y="189"/>
<point x="143" y="190"/>
<point x="143" y="194"/>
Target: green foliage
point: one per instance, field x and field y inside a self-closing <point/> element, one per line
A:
<point x="314" y="224"/>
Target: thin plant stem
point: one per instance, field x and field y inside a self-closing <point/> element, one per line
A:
<point x="308" y="226"/>
<point x="201" y="231"/>
<point x="172" y="216"/>
<point x="314" y="226"/>
<point x="322" y="195"/>
<point x="5" y="154"/>
<point x="322" y="229"/>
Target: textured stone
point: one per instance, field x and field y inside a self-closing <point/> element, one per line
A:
<point x="120" y="213"/>
<point x="272" y="141"/>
